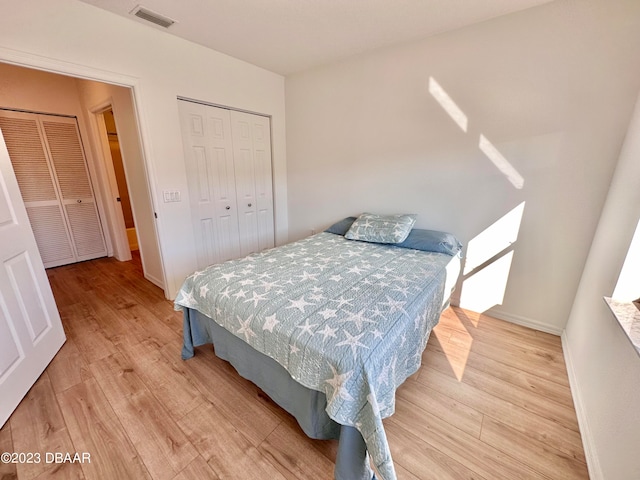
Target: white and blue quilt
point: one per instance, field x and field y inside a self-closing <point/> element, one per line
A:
<point x="347" y="318"/>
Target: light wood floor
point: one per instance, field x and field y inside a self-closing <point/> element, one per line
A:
<point x="491" y="400"/>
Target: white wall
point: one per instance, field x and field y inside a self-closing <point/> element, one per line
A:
<point x="604" y="367"/>
<point x="551" y="87"/>
<point x="93" y="94"/>
<point x="69" y="36"/>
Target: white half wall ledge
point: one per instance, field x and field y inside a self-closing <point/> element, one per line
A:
<point x="627" y="316"/>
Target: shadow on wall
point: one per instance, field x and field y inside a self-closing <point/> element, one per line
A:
<point x="489" y="254"/>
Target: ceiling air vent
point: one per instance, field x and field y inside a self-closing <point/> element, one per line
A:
<point x="152" y="17"/>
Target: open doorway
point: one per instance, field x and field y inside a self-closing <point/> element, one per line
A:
<point x="121" y="178"/>
<point x="110" y="137"/>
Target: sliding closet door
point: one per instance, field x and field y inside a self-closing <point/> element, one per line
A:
<point x="208" y="151"/>
<point x="254" y="190"/>
<point x="47" y="157"/>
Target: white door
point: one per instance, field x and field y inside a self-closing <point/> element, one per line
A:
<point x="260" y="128"/>
<point x="254" y="190"/>
<point x="30" y="328"/>
<point x="71" y="175"/>
<point x="208" y="151"/>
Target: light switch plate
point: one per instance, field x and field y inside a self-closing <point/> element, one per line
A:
<point x="170" y="196"/>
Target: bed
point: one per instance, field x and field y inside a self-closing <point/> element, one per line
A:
<point x="328" y="327"/>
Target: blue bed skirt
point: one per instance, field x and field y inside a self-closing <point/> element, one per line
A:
<point x="306" y="405"/>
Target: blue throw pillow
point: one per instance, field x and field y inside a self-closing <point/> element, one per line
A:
<point x="342" y="226"/>
<point x="432" y="241"/>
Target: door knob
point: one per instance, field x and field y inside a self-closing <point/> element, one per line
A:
<point x="249" y="205"/>
<point x="79" y="201"/>
<point x="227" y="207"/>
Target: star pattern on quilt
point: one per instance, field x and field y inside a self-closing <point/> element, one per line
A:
<point x="352" y="341"/>
<point x="245" y="328"/>
<point x="337" y="382"/>
<point x="269" y="323"/>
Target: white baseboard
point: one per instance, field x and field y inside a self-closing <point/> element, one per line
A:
<point x="517" y="319"/>
<point x="525" y="322"/>
<point x="593" y="464"/>
<point x="154" y="280"/>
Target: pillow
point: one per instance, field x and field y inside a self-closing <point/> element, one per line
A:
<point x="418" y="239"/>
<point x="370" y="227"/>
<point x="432" y="241"/>
<point x="342" y="226"/>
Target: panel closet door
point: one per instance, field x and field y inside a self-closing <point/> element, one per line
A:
<point x="47" y="157"/>
<point x="254" y="185"/>
<point x="228" y="165"/>
<point x="208" y="150"/>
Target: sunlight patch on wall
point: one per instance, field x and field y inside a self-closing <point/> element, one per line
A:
<point x="494" y="239"/>
<point x="447" y="103"/>
<point x="486" y="288"/>
<point x="500" y="162"/>
<point x="488" y="262"/>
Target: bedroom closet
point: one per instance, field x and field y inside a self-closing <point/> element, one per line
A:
<point x="49" y="162"/>
<point x="228" y="164"/>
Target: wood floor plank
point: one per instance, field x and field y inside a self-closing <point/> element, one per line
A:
<point x="198" y="469"/>
<point x="169" y="381"/>
<point x="250" y="416"/>
<point x="562" y="438"/>
<point x="469" y="450"/>
<point x="484" y="326"/>
<point x="529" y="400"/>
<point x="95" y="428"/>
<point x="83" y="326"/>
<point x="537" y="454"/>
<point x="206" y="354"/>
<point x="68" y="367"/>
<point x="8" y="471"/>
<point x="139" y="320"/>
<point x="457" y="362"/>
<point x="162" y="446"/>
<point x="532" y="361"/>
<point x="227" y="451"/>
<point x="422" y="460"/>
<point x="38" y="426"/>
<point x="295" y="455"/>
<point x="457" y="414"/>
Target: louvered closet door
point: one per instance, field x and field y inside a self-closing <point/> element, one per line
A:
<point x="51" y="169"/>
<point x="208" y="150"/>
<point x="70" y="170"/>
<point x="254" y="190"/>
<point x="28" y="156"/>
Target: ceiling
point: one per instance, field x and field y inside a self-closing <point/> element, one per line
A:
<point x="288" y="36"/>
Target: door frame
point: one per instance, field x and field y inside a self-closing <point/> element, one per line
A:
<point x="113" y="209"/>
<point x="51" y="65"/>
